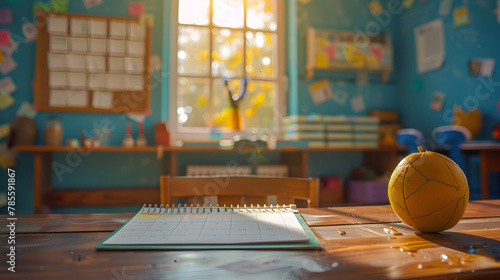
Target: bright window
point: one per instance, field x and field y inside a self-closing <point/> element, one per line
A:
<point x="226" y="39"/>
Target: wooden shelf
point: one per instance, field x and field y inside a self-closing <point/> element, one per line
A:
<point x="41" y="148"/>
<point x="381" y="159"/>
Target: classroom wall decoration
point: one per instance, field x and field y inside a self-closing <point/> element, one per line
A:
<point x="342" y="50"/>
<point x="92" y="64"/>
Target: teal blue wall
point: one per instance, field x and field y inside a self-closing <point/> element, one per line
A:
<point x="346" y="15"/>
<point x="479" y="39"/>
<point x="96" y="169"/>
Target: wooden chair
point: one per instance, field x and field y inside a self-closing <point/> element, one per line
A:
<point x="240" y="189"/>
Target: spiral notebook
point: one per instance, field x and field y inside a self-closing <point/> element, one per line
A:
<point x="213" y="227"/>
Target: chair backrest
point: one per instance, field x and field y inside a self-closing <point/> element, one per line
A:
<point x="239" y="189"/>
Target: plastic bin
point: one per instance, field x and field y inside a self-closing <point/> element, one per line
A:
<point x="368" y="192"/>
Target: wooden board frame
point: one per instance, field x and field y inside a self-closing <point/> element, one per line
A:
<point x="123" y="101"/>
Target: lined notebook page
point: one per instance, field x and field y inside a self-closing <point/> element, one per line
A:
<point x="210" y="225"/>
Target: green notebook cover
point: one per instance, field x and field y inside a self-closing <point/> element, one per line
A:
<point x="313" y="243"/>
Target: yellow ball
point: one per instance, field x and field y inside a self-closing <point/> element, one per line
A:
<point x="428" y="191"/>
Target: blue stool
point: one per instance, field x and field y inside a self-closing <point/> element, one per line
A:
<point x="410" y="138"/>
<point x="453" y="136"/>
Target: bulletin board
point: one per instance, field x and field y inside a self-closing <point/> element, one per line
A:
<point x="345" y="50"/>
<point x="88" y="63"/>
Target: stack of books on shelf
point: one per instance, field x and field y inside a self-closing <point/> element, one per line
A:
<point x="307" y="131"/>
<point x="366" y="132"/>
<point x="314" y="131"/>
<point x="339" y="131"/>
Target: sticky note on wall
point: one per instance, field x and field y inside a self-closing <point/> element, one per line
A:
<point x="136" y="9"/>
<point x="5" y="16"/>
<point x="4" y="37"/>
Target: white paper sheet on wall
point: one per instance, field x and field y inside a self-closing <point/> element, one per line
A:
<point x="97" y="81"/>
<point x="97" y="46"/>
<point x="136" y="31"/>
<point x="429" y="45"/>
<point x="75" y="62"/>
<point x="118" y="29"/>
<point x="116" y="47"/>
<point x="97" y="28"/>
<point x="134" y="65"/>
<point x="58" y="79"/>
<point x="77" y="80"/>
<point x="116" y="64"/>
<point x="58" y="44"/>
<point x="78" y="27"/>
<point x="57" y="25"/>
<point x="96" y="64"/>
<point x="77" y="98"/>
<point x="135" y="48"/>
<point x="57" y="98"/>
<point x="56" y="61"/>
<point x="102" y="100"/>
<point x="134" y="82"/>
<point x="7" y="85"/>
<point x="78" y="45"/>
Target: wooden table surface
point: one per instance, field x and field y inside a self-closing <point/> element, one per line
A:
<point x="62" y="246"/>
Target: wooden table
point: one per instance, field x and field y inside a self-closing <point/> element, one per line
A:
<point x="489" y="155"/>
<point x="62" y="246"/>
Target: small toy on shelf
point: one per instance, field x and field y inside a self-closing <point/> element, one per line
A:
<point x="128" y="140"/>
<point x="141" y="139"/>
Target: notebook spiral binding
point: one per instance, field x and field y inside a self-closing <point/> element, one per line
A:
<point x="183" y="209"/>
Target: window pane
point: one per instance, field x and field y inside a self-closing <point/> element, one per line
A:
<point x="257" y="108"/>
<point x="193" y="52"/>
<point x="261" y="14"/>
<point x="223" y="111"/>
<point x="228" y="13"/>
<point x="193" y="102"/>
<point x="193" y="12"/>
<point x="227" y="53"/>
<point x="260" y="55"/>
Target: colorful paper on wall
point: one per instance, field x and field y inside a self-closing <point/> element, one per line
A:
<point x="6" y="100"/>
<point x="482" y="67"/>
<point x="7" y="85"/>
<point x="1" y="57"/>
<point x="30" y="31"/>
<point x="320" y="91"/>
<point x="7" y="161"/>
<point x="445" y="7"/>
<point x="59" y="6"/>
<point x="136" y="9"/>
<point x="437" y="101"/>
<point x="358" y="103"/>
<point x="461" y="16"/>
<point x="26" y="110"/>
<point x="4" y="37"/>
<point x="147" y="19"/>
<point x="10" y="48"/>
<point x="375" y="7"/>
<point x="331" y="51"/>
<point x="497" y="11"/>
<point x="4" y="130"/>
<point x="5" y="16"/>
<point x="7" y="65"/>
<point x="408" y="3"/>
<point x="91" y="3"/>
<point x="340" y="97"/>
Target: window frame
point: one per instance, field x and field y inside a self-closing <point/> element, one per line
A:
<point x="211" y="134"/>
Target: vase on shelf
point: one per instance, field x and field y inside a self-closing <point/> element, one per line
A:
<point x="53" y="132"/>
